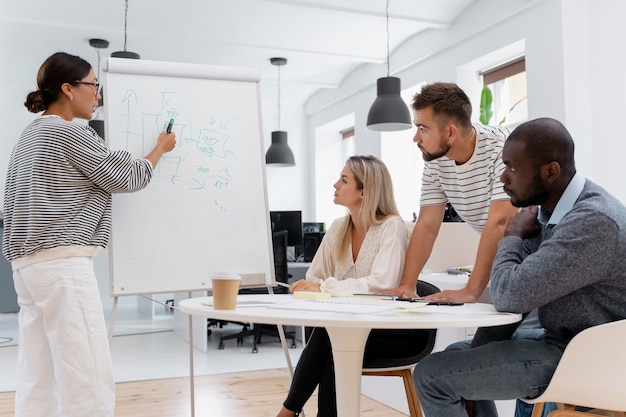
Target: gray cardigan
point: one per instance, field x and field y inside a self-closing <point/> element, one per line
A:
<point x="574" y="272"/>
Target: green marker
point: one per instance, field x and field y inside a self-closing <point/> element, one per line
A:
<point x="169" y="126"/>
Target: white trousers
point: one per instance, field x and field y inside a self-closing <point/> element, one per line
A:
<point x="64" y="361"/>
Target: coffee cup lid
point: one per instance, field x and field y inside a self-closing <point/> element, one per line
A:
<point x="225" y="275"/>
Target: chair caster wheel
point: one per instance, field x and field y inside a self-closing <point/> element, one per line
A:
<point x="221" y="346"/>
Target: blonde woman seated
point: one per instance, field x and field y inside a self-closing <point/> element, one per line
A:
<point x="362" y="252"/>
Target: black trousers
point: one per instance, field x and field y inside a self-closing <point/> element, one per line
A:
<point x="316" y="367"/>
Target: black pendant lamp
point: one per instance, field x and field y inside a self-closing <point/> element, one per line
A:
<point x="388" y="112"/>
<point x="125" y="53"/>
<point x="279" y="153"/>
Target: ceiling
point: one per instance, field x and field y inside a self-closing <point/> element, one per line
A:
<point x="323" y="40"/>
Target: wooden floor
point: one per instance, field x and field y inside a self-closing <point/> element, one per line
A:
<point x="249" y="394"/>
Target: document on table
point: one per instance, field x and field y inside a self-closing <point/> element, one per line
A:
<point x="346" y="305"/>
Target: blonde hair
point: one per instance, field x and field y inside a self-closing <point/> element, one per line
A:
<point x="373" y="178"/>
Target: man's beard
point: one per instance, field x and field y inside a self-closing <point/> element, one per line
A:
<point x="536" y="197"/>
<point x="442" y="151"/>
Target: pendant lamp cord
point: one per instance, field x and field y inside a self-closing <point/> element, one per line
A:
<point x="278" y="97"/>
<point x="387" y="18"/>
<point x="98" y="52"/>
<point x="126" y="22"/>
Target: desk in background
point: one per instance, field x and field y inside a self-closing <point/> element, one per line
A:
<point x="8" y="296"/>
<point x="297" y="270"/>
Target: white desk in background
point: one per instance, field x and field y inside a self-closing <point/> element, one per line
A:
<point x="348" y="332"/>
<point x="297" y="270"/>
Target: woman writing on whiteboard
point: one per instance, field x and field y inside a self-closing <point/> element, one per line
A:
<point x="57" y="217"/>
<point x="362" y="252"/>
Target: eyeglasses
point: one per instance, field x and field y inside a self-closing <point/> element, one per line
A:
<point x="97" y="85"/>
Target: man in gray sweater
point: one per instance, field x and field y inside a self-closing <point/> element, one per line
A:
<point x="563" y="253"/>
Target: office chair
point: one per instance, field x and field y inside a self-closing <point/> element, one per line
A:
<point x="589" y="374"/>
<point x="279" y="245"/>
<point x="402" y="366"/>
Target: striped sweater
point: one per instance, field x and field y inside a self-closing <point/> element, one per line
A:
<point x="472" y="186"/>
<point x="58" y="187"/>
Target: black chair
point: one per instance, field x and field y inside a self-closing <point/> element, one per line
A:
<point x="279" y="245"/>
<point x="422" y="342"/>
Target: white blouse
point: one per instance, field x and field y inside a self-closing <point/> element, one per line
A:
<point x="378" y="265"/>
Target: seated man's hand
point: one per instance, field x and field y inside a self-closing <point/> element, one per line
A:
<point x="402" y="292"/>
<point x="458" y="296"/>
<point x="304" y="285"/>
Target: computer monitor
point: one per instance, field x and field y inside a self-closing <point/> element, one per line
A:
<point x="312" y="241"/>
<point x="291" y="221"/>
<point x="310" y="227"/>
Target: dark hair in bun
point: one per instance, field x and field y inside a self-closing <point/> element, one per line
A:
<point x="58" y="69"/>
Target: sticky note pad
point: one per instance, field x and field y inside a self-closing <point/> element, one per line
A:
<point x="311" y="295"/>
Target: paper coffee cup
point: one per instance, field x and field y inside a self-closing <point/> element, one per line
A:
<point x="225" y="289"/>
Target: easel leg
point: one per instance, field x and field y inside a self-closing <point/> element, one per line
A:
<point x="192" y="389"/>
<point x="283" y="341"/>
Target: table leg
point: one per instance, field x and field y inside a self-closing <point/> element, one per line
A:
<point x="348" y="345"/>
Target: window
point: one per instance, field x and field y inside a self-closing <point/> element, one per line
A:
<point x="405" y="163"/>
<point x="349" y="144"/>
<point x="507" y="83"/>
<point x="334" y="143"/>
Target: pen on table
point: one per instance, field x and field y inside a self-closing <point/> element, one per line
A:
<point x="169" y="126"/>
<point x="282" y="284"/>
<point x="376" y="296"/>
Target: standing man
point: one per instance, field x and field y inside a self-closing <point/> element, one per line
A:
<point x="462" y="166"/>
<point x="547" y="259"/>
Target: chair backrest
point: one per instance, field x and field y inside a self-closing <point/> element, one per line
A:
<point x="592" y="369"/>
<point x="415" y="343"/>
<point x="425" y="288"/>
<point x="279" y="245"/>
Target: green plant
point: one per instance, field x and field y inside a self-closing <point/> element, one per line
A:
<point x="486" y="103"/>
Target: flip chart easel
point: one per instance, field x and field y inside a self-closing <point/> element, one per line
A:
<point x="206" y="208"/>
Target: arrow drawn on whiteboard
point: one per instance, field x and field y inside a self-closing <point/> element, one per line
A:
<point x="130" y="99"/>
<point x="224" y="125"/>
<point x="127" y="97"/>
<point x="198" y="185"/>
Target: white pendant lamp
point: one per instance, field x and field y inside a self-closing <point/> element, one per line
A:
<point x="279" y="154"/>
<point x="388" y="112"/>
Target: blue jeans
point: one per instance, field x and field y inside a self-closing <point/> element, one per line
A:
<point x="502" y="370"/>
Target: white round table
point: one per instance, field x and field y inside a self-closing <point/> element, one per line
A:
<point x="348" y="332"/>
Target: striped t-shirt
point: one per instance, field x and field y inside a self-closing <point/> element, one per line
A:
<point x="59" y="184"/>
<point x="472" y="186"/>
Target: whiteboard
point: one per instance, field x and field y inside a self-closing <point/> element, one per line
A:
<point x="206" y="208"/>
